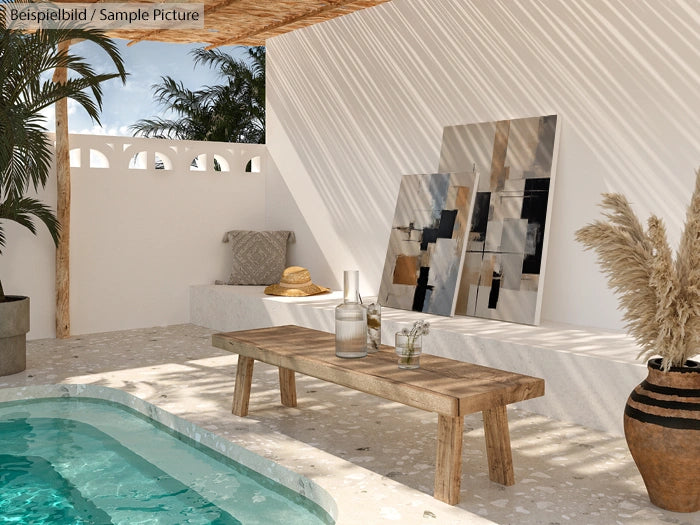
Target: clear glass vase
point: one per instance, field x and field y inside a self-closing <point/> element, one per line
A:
<point x="408" y="348"/>
<point x="374" y="327"/>
<point x="351" y="320"/>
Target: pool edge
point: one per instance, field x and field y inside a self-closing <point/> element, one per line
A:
<point x="283" y="475"/>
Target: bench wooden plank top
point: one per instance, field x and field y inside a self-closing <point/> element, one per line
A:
<point x="441" y="385"/>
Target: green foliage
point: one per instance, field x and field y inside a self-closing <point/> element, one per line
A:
<point x="27" y="61"/>
<point x="229" y="112"/>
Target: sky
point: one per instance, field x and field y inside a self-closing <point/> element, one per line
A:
<point x="146" y="63"/>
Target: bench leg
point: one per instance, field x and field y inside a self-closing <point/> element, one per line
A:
<point x="244" y="380"/>
<point x="288" y="388"/>
<point x="498" y="446"/>
<point x="448" y="465"/>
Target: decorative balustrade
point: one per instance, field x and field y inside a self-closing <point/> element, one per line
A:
<point x="138" y="153"/>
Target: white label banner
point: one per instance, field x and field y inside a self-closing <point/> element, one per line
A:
<point x="104" y="16"/>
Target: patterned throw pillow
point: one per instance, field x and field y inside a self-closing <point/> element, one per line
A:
<point x="258" y="257"/>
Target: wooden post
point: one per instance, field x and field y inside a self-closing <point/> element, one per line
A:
<point x="498" y="445"/>
<point x="241" y="390"/>
<point x="448" y="464"/>
<point x="288" y="388"/>
<point x="62" y="208"/>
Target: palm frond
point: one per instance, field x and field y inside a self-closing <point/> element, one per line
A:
<point x="25" y="152"/>
<point x="25" y="155"/>
<point x="229" y="112"/>
<point x="23" y="210"/>
<point x="164" y="128"/>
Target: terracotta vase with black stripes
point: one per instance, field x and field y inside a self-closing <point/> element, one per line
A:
<point x="662" y="427"/>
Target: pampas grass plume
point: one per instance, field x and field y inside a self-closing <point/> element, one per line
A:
<point x="659" y="296"/>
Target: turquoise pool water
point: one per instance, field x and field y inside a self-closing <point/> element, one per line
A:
<point x="89" y="461"/>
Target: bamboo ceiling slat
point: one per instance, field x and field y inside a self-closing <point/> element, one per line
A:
<point x="245" y="22"/>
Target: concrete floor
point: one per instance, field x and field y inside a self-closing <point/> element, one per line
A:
<point x="348" y="441"/>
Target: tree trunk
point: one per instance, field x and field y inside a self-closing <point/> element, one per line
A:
<point x="62" y="209"/>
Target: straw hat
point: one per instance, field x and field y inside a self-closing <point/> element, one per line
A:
<point x="295" y="282"/>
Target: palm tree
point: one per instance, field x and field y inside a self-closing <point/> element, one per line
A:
<point x="230" y="112"/>
<point x="26" y="61"/>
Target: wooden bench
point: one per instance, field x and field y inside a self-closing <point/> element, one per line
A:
<point x="450" y="388"/>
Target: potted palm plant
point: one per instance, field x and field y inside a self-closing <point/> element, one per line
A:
<point x="660" y="297"/>
<point x="26" y="62"/>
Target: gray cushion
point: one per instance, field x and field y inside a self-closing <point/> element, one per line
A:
<point x="259" y="257"/>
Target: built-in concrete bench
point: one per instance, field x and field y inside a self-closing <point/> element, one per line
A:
<point x="589" y="373"/>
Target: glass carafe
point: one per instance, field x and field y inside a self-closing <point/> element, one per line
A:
<point x="351" y="320"/>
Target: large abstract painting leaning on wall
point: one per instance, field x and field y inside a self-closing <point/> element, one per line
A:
<point x="505" y="260"/>
<point x="427" y="242"/>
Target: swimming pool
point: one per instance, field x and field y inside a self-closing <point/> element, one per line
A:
<point x="88" y="460"/>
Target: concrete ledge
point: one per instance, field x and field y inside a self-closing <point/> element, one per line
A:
<point x="588" y="373"/>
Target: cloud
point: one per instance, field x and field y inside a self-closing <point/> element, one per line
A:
<point x="49" y="113"/>
<point x="95" y="129"/>
<point x="73" y="107"/>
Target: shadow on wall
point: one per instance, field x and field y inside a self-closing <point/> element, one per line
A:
<point x="306" y="250"/>
<point x="357" y="102"/>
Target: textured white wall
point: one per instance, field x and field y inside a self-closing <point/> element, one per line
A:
<point x="27" y="268"/>
<point x="139" y="237"/>
<point x="357" y="102"/>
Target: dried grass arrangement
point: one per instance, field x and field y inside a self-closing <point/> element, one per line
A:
<point x="660" y="296"/>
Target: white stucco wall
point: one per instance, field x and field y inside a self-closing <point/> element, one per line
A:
<point x="139" y="237"/>
<point x="355" y="103"/>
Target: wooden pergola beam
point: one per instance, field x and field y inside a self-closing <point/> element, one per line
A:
<point x="242" y="22"/>
<point x="208" y="10"/>
<point x="285" y="22"/>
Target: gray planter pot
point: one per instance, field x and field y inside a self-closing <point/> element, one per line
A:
<point x="14" y="325"/>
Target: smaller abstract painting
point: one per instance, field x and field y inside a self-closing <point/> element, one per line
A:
<point x="427" y="242"/>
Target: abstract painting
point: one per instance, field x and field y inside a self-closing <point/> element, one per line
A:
<point x="427" y="243"/>
<point x="507" y="242"/>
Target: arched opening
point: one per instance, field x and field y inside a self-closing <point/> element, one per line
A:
<point x="253" y="165"/>
<point x="98" y="159"/>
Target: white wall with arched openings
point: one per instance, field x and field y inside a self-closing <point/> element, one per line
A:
<point x="144" y="227"/>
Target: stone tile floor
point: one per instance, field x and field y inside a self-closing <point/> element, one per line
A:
<point x="564" y="473"/>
